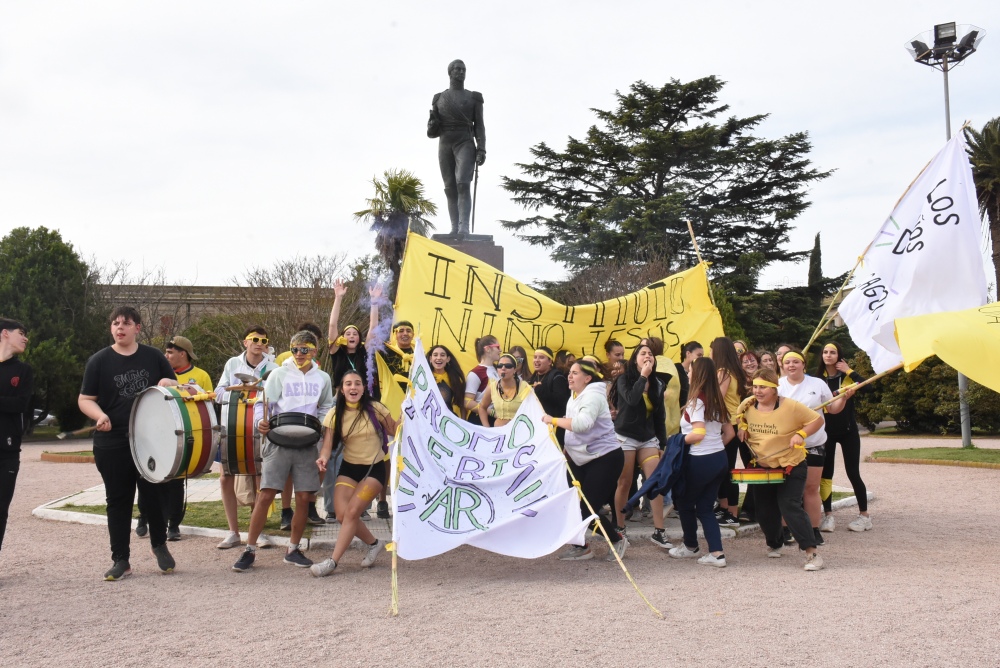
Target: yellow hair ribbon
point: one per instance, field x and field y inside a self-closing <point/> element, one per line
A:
<point x="760" y="382"/>
<point x="794" y="355"/>
<point x="539" y="351"/>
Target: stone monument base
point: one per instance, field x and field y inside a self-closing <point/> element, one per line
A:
<point x="479" y="246"/>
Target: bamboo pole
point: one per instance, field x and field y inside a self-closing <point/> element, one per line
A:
<point x="861" y="384"/>
<point x="697" y="253"/>
<point x="823" y="322"/>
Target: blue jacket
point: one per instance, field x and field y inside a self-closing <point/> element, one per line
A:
<point x="667" y="474"/>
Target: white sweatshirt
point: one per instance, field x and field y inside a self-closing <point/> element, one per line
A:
<point x="593" y="431"/>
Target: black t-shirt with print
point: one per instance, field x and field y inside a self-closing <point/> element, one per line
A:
<point x="116" y="380"/>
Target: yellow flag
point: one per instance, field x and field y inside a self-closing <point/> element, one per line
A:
<point x="392" y="393"/>
<point x="454" y="299"/>
<point x="968" y="341"/>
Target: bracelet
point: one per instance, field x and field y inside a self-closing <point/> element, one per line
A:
<point x="743" y="426"/>
<point x="803" y="434"/>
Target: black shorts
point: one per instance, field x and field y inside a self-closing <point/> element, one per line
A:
<point x="816" y="456"/>
<point x="358" y="472"/>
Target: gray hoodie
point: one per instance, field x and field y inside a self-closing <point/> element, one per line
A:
<point x="593" y="431"/>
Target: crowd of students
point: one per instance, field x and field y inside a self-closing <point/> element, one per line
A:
<point x="615" y="417"/>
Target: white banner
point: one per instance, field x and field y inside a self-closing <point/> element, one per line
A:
<point x="502" y="489"/>
<point x="925" y="259"/>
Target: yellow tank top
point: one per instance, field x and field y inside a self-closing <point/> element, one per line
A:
<point x="506" y="409"/>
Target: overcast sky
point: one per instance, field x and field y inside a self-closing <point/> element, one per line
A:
<point x="207" y="137"/>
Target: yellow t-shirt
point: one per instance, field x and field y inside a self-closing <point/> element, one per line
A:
<point x="769" y="433"/>
<point x="362" y="443"/>
<point x="732" y="397"/>
<point x="197" y="376"/>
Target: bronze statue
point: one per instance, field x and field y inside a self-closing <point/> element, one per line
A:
<point x="456" y="118"/>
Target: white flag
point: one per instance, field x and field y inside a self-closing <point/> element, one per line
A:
<point x="502" y="489"/>
<point x="925" y="259"/>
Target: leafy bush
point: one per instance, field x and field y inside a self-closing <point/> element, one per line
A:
<point x="925" y="400"/>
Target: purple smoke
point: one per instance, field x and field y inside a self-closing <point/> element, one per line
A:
<point x="380" y="335"/>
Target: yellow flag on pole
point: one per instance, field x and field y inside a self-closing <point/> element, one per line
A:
<point x="968" y="341"/>
<point x="392" y="393"/>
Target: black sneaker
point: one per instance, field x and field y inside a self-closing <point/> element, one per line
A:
<point x="141" y="530"/>
<point x="164" y="561"/>
<point x="744" y="517"/>
<point x="120" y="569"/>
<point x="296" y="558"/>
<point x="728" y="521"/>
<point x="314" y="517"/>
<point x="661" y="540"/>
<point x="720" y="512"/>
<point x="245" y="562"/>
<point x="173" y="533"/>
<point x="819" y="538"/>
<point x="382" y="510"/>
<point x="786" y="536"/>
<point x="286" y="519"/>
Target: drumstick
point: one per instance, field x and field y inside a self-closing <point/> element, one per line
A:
<point x="79" y="432"/>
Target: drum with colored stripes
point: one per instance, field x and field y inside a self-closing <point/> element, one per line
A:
<point x="239" y="442"/>
<point x="173" y="437"/>
<point x="758" y="476"/>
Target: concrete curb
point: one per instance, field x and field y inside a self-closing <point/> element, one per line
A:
<point x="932" y="462"/>
<point x="836" y="505"/>
<point x="63" y="458"/>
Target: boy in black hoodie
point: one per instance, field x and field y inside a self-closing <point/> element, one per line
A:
<point x="15" y="410"/>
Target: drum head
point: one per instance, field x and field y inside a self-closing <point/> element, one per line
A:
<point x="294" y="430"/>
<point x="155" y="443"/>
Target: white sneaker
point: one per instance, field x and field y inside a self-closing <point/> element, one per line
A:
<point x="683" y="552"/>
<point x="323" y="568"/>
<point x="372" y="552"/>
<point x="828" y="524"/>
<point x="264" y="541"/>
<point x="232" y="540"/>
<point x="617" y="548"/>
<point x="774" y="552"/>
<point x="576" y="553"/>
<point x="863" y="523"/>
<point x="711" y="560"/>
<point x="814" y="562"/>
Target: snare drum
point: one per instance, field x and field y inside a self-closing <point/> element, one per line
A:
<point x="170" y="437"/>
<point x="758" y="476"/>
<point x="239" y="442"/>
<point x="294" y="430"/>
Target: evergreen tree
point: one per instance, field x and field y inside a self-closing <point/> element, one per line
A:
<point x="661" y="157"/>
<point x="816" y="264"/>
<point x="984" y="154"/>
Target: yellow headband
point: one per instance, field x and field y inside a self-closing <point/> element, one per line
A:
<point x="832" y="347"/>
<point x="342" y="339"/>
<point x="793" y="354"/>
<point x="760" y="382"/>
<point x="305" y="345"/>
<point x="539" y="351"/>
<point x="595" y="368"/>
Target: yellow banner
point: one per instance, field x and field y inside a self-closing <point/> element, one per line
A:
<point x="453" y="299"/>
<point x="968" y="341"/>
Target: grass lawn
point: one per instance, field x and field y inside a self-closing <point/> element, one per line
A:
<point x="40" y="433"/>
<point x="942" y="454"/>
<point x="891" y="432"/>
<point x="208" y="514"/>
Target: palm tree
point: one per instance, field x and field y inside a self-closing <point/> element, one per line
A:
<point x="398" y="205"/>
<point x="984" y="154"/>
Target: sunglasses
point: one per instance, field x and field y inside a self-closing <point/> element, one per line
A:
<point x="301" y="351"/>
<point x="257" y="339"/>
<point x="505" y="365"/>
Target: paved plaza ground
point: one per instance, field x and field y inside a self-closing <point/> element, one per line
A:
<point x="922" y="589"/>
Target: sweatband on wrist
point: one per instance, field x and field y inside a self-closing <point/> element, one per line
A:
<point x="803" y="434"/>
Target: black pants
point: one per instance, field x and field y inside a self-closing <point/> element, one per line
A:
<point x="171" y="500"/>
<point x="729" y="490"/>
<point x="784" y="500"/>
<point x="10" y="464"/>
<point x="121" y="479"/>
<point x="850" y="443"/>
<point x="598" y="481"/>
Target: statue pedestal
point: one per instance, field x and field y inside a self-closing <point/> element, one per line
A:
<point x="479" y="246"/>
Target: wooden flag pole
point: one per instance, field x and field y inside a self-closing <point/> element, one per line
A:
<point x="697" y="253"/>
<point x="861" y="384"/>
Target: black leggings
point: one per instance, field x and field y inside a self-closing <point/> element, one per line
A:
<point x="729" y="490"/>
<point x="10" y="464"/>
<point x="598" y="482"/>
<point x="850" y="443"/>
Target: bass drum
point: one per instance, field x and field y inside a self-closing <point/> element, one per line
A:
<point x="239" y="442"/>
<point x="173" y="433"/>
